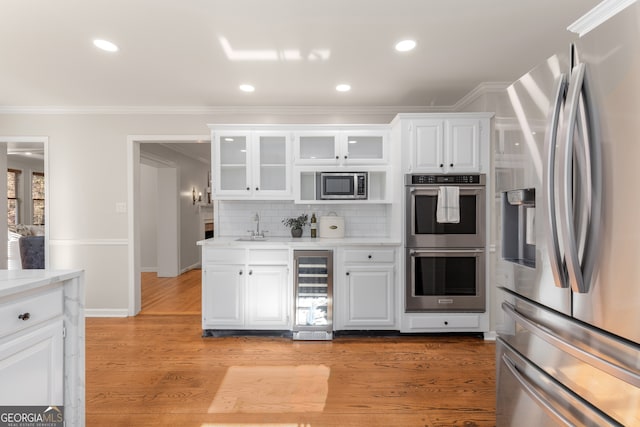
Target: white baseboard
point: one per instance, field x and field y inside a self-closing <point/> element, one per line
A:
<point x="106" y="312"/>
<point x="148" y="269"/>
<point x="191" y="267"/>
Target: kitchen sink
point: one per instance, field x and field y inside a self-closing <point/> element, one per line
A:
<point x="251" y="239"/>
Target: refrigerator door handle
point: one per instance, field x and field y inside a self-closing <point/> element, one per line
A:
<point x="555" y="256"/>
<point x="569" y="239"/>
<point x="548" y="335"/>
<point x="533" y="392"/>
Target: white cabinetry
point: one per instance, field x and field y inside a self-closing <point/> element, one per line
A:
<point x="223" y="295"/>
<point x="42" y="341"/>
<point x="267" y="297"/>
<point x="251" y="164"/>
<point x="446" y="143"/>
<point x="341" y="147"/>
<point x="366" y="290"/>
<point x="31" y="350"/>
<point x="246" y="289"/>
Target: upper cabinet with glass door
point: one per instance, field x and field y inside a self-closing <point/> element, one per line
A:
<point x="341" y="147"/>
<point x="251" y="165"/>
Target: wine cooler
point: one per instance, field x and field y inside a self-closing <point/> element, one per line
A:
<point x="313" y="295"/>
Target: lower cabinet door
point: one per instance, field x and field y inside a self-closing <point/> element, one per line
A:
<point x="32" y="367"/>
<point x="369" y="298"/>
<point x="223" y="296"/>
<point x="268" y="302"/>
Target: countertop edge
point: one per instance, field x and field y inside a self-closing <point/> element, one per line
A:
<point x="280" y="242"/>
<point x="17" y="281"/>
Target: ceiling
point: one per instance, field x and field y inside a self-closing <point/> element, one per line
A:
<point x="195" y="53"/>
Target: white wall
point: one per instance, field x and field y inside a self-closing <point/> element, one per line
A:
<point x="148" y="218"/>
<point x="88" y="177"/>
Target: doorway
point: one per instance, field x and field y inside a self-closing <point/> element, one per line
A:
<point x="166" y="153"/>
<point x="26" y="201"/>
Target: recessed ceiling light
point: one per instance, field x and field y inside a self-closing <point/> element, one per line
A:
<point x="28" y="153"/>
<point x="105" y="45"/>
<point x="343" y="87"/>
<point x="247" y="88"/>
<point x="405" y="45"/>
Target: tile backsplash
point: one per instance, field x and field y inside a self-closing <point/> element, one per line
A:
<point x="236" y="217"/>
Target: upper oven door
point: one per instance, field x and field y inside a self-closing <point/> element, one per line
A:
<point x="424" y="231"/>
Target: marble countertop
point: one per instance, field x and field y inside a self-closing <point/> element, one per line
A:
<point x="232" y="241"/>
<point x="16" y="281"/>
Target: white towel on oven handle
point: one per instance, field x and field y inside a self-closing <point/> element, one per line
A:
<point x="448" y="208"/>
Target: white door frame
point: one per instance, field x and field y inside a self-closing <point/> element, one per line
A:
<point x="133" y="188"/>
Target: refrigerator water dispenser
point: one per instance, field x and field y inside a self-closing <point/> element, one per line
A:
<point x="518" y="226"/>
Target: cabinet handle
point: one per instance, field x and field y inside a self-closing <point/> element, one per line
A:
<point x="248" y="188"/>
<point x="441" y="165"/>
<point x="240" y="272"/>
<point x="450" y="165"/>
<point x="446" y="323"/>
<point x="24" y="316"/>
<point x="369" y="256"/>
<point x="250" y="272"/>
<point x="257" y="188"/>
<point x="348" y="273"/>
<point x="337" y="157"/>
<point x="346" y="157"/>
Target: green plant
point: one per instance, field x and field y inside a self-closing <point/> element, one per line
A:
<point x="298" y="222"/>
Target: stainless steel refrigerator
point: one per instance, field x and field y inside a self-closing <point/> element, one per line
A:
<point x="568" y="269"/>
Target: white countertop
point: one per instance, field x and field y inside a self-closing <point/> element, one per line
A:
<point x="16" y="281"/>
<point x="299" y="242"/>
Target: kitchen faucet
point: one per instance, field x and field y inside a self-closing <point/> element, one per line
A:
<point x="257" y="234"/>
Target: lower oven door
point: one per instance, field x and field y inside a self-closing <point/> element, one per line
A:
<point x="451" y="280"/>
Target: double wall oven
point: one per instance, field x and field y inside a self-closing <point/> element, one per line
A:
<point x="445" y="260"/>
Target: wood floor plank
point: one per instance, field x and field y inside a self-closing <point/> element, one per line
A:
<point x="156" y="369"/>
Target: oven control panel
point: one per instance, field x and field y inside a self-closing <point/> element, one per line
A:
<point x="444" y="179"/>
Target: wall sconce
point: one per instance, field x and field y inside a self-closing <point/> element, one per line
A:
<point x="193" y="194"/>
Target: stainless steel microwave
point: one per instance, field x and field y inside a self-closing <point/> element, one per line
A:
<point x="341" y="185"/>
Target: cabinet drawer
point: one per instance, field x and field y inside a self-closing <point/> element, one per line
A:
<point x="369" y="256"/>
<point x="445" y="322"/>
<point x="269" y="256"/>
<point x="33" y="309"/>
<point x="224" y="256"/>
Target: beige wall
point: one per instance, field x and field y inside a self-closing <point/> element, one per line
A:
<point x="88" y="175"/>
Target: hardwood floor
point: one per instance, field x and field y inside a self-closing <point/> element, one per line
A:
<point x="172" y="295"/>
<point x="157" y="370"/>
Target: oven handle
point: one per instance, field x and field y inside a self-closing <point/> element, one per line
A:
<point x="434" y="188"/>
<point x="414" y="252"/>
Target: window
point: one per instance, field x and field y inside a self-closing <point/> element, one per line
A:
<point x="37" y="198"/>
<point x="13" y="175"/>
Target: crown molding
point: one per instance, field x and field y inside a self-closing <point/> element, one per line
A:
<point x="220" y="110"/>
<point x="598" y="15"/>
<point x="344" y="111"/>
<point x="478" y="91"/>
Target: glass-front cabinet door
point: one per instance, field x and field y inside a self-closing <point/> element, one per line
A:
<point x="231" y="163"/>
<point x="253" y="165"/>
<point x="272" y="158"/>
<point x="368" y="147"/>
<point x="317" y="147"/>
<point x="341" y="148"/>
